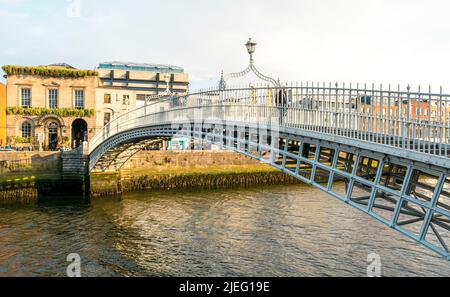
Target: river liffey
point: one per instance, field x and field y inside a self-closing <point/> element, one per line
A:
<point x="272" y="231"/>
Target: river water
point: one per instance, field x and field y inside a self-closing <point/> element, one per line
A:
<point x="272" y="231"/>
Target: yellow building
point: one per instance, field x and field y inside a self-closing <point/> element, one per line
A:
<point x="52" y="106"/>
<point x="125" y="86"/>
<point x="2" y="115"/>
<point x="59" y="106"/>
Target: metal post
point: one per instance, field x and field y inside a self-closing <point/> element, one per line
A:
<point x="430" y="212"/>
<point x="335" y="115"/>
<point x="408" y="120"/>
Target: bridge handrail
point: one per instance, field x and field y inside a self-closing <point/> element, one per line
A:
<point x="406" y="134"/>
<point x="416" y="118"/>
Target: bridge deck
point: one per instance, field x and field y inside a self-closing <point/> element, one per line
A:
<point x="394" y="164"/>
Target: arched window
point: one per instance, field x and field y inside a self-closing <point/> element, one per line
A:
<point x="26" y="130"/>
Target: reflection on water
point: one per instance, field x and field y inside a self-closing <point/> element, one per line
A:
<point x="273" y="231"/>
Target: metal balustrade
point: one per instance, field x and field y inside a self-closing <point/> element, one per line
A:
<point x="389" y="147"/>
<point x="412" y="121"/>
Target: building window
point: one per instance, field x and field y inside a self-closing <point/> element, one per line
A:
<point x="107" y="99"/>
<point x="26" y="97"/>
<point x="26" y="130"/>
<point x="53" y="98"/>
<point x="126" y="100"/>
<point x="140" y="100"/>
<point x="79" y="99"/>
<point x="107" y="118"/>
<point x="141" y="97"/>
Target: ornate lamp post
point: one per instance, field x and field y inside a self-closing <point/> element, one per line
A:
<point x="167" y="79"/>
<point x="166" y="93"/>
<point x="251" y="48"/>
<point x="127" y="103"/>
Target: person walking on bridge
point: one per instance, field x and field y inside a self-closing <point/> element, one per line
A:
<point x="281" y="103"/>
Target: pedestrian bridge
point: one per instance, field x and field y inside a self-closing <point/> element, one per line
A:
<point x="384" y="151"/>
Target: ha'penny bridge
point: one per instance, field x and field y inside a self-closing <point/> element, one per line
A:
<point x="380" y="149"/>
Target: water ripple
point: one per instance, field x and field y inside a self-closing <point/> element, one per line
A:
<point x="273" y="231"/>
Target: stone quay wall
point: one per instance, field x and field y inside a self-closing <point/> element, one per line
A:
<point x="201" y="170"/>
<point x="30" y="176"/>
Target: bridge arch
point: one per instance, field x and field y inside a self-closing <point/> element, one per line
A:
<point x="117" y="150"/>
<point x="391" y="176"/>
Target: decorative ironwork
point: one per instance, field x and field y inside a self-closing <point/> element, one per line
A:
<point x="388" y="149"/>
<point x="251" y="68"/>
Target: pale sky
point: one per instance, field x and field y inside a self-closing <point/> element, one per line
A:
<point x="389" y="41"/>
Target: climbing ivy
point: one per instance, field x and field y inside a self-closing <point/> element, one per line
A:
<point x="23" y="140"/>
<point x="48" y="72"/>
<point x="41" y="111"/>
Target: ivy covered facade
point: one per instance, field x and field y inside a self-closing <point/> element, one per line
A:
<point x="50" y="107"/>
<point x="58" y="106"/>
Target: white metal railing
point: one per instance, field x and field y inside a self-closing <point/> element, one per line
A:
<point x="416" y="121"/>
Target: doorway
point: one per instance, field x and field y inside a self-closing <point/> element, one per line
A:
<point x="79" y="132"/>
<point x="53" y="128"/>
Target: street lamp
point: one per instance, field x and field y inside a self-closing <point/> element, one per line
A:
<point x="251" y="47"/>
<point x="167" y="78"/>
<point x="127" y="102"/>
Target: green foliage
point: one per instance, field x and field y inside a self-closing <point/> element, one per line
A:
<point x="64" y="140"/>
<point x="48" y="72"/>
<point x="23" y="140"/>
<point x="41" y="111"/>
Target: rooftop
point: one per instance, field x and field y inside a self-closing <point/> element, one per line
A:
<point x="160" y="68"/>
<point x="60" y="65"/>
